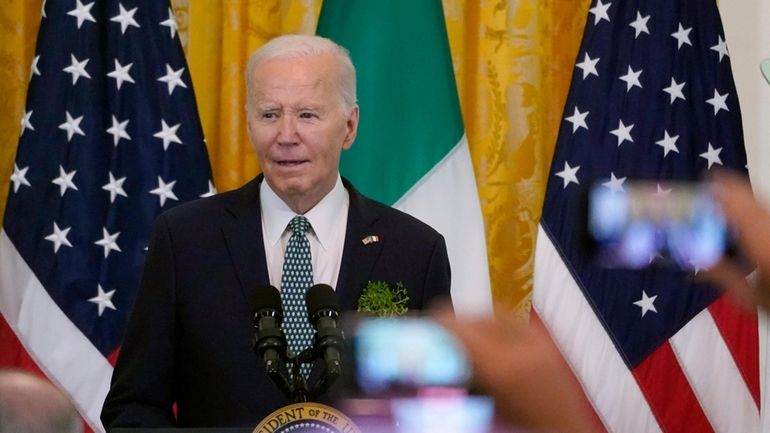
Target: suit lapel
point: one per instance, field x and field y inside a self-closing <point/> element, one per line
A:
<point x="243" y="236"/>
<point x="358" y="258"/>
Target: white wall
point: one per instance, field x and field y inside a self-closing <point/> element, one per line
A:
<point x="747" y="31"/>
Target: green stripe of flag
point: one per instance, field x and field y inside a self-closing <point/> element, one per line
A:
<point x="410" y="114"/>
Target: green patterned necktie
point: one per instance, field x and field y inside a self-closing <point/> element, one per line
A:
<point x="296" y="278"/>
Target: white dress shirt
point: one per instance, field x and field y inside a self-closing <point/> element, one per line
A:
<point x="328" y="221"/>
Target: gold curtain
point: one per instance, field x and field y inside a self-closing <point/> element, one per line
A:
<point x="19" y="20"/>
<point x="513" y="61"/>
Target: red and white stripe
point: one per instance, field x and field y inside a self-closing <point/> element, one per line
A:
<point x="704" y="379"/>
<point x="56" y="345"/>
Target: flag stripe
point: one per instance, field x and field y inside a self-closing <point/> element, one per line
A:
<point x="13" y="354"/>
<point x="669" y="394"/>
<point x="716" y="379"/>
<point x="51" y="342"/>
<point x="598" y="426"/>
<point x="446" y="198"/>
<point x="410" y="112"/>
<point x="585" y="345"/>
<point x="740" y="330"/>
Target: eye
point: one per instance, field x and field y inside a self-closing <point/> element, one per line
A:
<point x="269" y="115"/>
<point x="307" y="115"/>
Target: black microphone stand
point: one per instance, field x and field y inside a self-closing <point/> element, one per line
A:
<point x="300" y="392"/>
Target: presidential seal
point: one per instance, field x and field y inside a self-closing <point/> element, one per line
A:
<point x="307" y="418"/>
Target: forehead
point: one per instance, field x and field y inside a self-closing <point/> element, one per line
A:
<point x="293" y="74"/>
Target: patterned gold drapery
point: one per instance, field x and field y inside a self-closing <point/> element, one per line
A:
<point x="513" y="61"/>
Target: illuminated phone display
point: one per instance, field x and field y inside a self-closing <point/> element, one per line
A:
<point x="644" y="224"/>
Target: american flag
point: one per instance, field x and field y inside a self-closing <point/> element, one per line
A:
<point x="653" y="97"/>
<point x="110" y="137"/>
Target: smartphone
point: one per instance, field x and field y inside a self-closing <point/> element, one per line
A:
<point x="402" y="356"/>
<point x="677" y="224"/>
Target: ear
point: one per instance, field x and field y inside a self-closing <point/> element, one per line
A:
<point x="351" y="126"/>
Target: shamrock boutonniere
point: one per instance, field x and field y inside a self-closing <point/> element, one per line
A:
<point x="379" y="299"/>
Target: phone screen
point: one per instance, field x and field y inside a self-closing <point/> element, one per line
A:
<point x="645" y="225"/>
<point x="407" y="354"/>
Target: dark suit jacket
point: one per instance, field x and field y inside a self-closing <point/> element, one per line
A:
<point x="189" y="337"/>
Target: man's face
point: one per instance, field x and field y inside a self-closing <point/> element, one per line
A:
<point x="298" y="128"/>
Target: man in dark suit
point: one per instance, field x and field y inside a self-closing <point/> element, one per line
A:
<point x="189" y="339"/>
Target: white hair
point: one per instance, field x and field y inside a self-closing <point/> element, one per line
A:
<point x="297" y="46"/>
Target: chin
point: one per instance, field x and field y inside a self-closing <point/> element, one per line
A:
<point x="292" y="187"/>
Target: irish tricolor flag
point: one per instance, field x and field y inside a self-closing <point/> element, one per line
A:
<point x="411" y="151"/>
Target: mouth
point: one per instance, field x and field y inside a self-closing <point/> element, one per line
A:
<point x="291" y="162"/>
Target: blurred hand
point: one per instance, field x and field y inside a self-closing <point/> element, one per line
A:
<point x="521" y="369"/>
<point x="752" y="222"/>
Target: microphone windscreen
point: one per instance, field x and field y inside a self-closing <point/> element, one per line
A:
<point x="267" y="297"/>
<point x="319" y="297"/>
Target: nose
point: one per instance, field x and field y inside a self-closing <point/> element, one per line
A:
<point x="287" y="130"/>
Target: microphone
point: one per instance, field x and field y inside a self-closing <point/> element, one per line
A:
<point x="269" y="341"/>
<point x="323" y="312"/>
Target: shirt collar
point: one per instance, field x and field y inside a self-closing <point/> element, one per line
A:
<point x="324" y="217"/>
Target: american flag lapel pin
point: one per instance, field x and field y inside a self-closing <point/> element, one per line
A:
<point x="370" y="239"/>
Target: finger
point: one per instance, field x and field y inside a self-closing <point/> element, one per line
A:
<point x="742" y="210"/>
<point x="730" y="278"/>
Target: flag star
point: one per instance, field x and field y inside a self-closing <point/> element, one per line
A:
<point x="168" y="134"/>
<point x="82" y="12"/>
<point x="109" y="242"/>
<point x="721" y="48"/>
<point x="588" y="65"/>
<point x="77" y="69"/>
<point x="170" y="23"/>
<point x="72" y="126"/>
<point x="120" y="74"/>
<point x="42" y="10"/>
<point x="640" y="24"/>
<point x="682" y="36"/>
<point x="125" y="18"/>
<point x="19" y="177"/>
<point x="118" y="130"/>
<point x="578" y="120"/>
<point x="719" y="102"/>
<point x="59" y="237"/>
<point x="164" y="191"/>
<point x="103" y="300"/>
<point x="212" y="190"/>
<point x="631" y="78"/>
<point x="712" y="156"/>
<point x="34" y="70"/>
<point x="25" y="122"/>
<point x="647" y="303"/>
<point x="661" y="192"/>
<point x="668" y="143"/>
<point x="675" y="90"/>
<point x="173" y="78"/>
<point x="623" y="132"/>
<point x="614" y="184"/>
<point x="600" y="11"/>
<point x="65" y="181"/>
<point x="115" y="187"/>
<point x="569" y="174"/>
